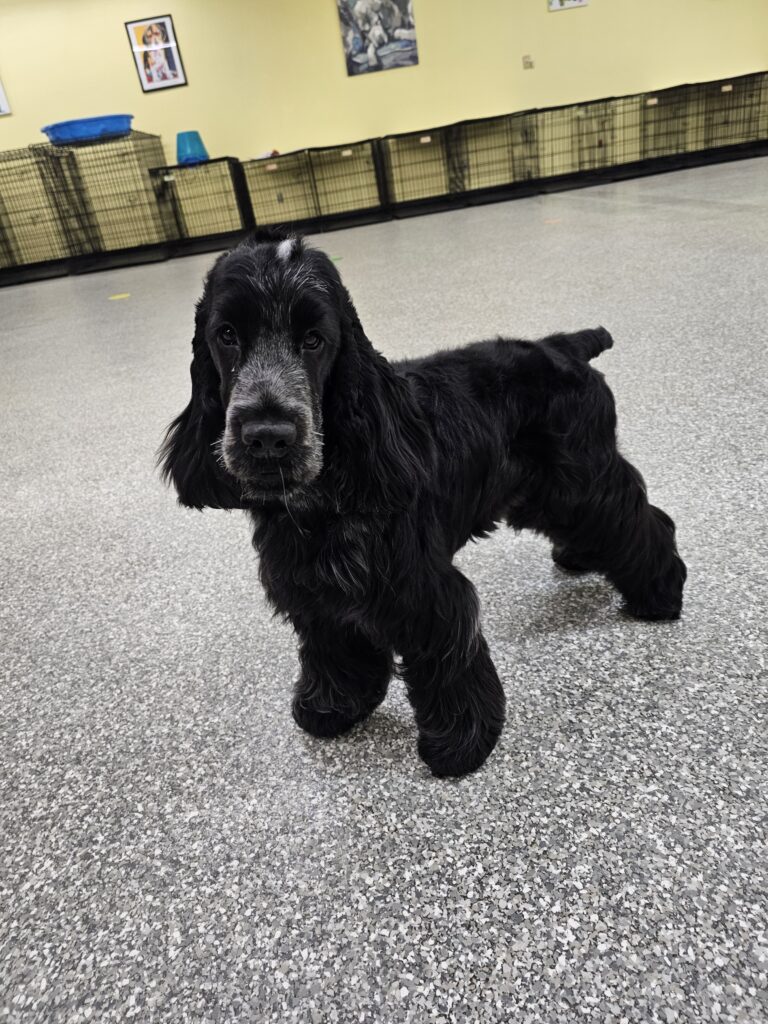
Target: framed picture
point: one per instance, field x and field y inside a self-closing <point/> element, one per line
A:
<point x="156" y="53"/>
<point x="563" y="5"/>
<point x="377" y="34"/>
<point x="4" y="107"/>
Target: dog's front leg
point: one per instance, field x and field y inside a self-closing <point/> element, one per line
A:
<point x="451" y="680"/>
<point x="343" y="678"/>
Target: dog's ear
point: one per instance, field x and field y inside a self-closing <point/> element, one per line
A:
<point x="383" y="445"/>
<point x="187" y="457"/>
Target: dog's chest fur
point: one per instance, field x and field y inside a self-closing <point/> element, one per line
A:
<point x="338" y="564"/>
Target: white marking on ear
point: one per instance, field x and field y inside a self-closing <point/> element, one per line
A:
<point x="285" y="248"/>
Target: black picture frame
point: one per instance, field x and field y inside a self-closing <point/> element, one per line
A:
<point x="156" y="53"/>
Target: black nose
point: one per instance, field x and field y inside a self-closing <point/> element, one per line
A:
<point x="267" y="438"/>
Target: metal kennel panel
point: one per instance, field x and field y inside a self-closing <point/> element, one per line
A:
<point x="30" y="228"/>
<point x="281" y="188"/>
<point x="670" y="123"/>
<point x="203" y="196"/>
<point x="627" y="129"/>
<point x="695" y="119"/>
<point x="523" y="130"/>
<point x="762" y="117"/>
<point x="487" y="147"/>
<point x="554" y="132"/>
<point x="345" y="178"/>
<point x="593" y="136"/>
<point x="732" y="112"/>
<point x="417" y="165"/>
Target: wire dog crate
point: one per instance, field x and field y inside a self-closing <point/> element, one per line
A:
<point x="417" y="165"/>
<point x="345" y="178"/>
<point x="313" y="183"/>
<point x="113" y="188"/>
<point x="735" y="112"/>
<point x="281" y="189"/>
<point x="206" y="199"/>
<point x="39" y="221"/>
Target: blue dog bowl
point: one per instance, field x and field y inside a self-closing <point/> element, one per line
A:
<point x="88" y="129"/>
<point x="190" y="148"/>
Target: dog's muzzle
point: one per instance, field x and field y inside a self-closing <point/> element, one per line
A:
<point x="271" y="440"/>
<point x="271" y="452"/>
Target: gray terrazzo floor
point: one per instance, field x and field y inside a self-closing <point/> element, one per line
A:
<point x="174" y="849"/>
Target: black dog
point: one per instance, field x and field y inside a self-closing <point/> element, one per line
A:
<point x="363" y="478"/>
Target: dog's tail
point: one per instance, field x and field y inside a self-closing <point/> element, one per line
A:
<point x="585" y="345"/>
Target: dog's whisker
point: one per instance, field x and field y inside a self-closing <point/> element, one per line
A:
<point x="287" y="508"/>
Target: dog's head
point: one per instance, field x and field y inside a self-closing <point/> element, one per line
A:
<point x="269" y="328"/>
<point x="289" y="399"/>
<point x="273" y="330"/>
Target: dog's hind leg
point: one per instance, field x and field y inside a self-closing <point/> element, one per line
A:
<point x="451" y="681"/>
<point x="343" y="679"/>
<point x="618" y="533"/>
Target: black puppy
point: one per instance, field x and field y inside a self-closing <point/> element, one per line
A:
<point x="364" y="477"/>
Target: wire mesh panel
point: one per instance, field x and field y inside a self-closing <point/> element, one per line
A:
<point x="523" y="130"/>
<point x="762" y="116"/>
<point x="62" y="183"/>
<point x="281" y="188"/>
<point x="554" y="133"/>
<point x="30" y="228"/>
<point x="627" y="114"/>
<point x="593" y="135"/>
<point x="732" y="111"/>
<point x="417" y="165"/>
<point x="695" y="119"/>
<point x="345" y="178"/>
<point x="113" y="182"/>
<point x="670" y="123"/>
<point x="203" y="197"/>
<point x="488" y="153"/>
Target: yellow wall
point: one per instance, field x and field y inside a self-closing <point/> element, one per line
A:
<point x="270" y="73"/>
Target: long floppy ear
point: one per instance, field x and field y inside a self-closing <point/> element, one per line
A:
<point x="384" y="450"/>
<point x="187" y="457"/>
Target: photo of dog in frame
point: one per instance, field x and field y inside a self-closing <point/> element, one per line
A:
<point x="364" y="477"/>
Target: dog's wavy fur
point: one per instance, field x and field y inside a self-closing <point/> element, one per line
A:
<point x="396" y="466"/>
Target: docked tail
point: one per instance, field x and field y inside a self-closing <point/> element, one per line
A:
<point x="584" y="345"/>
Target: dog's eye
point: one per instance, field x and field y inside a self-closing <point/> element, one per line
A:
<point x="227" y="334"/>
<point x="312" y="341"/>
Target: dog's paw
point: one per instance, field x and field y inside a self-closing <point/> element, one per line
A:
<point x="652" y="611"/>
<point x="459" y="752"/>
<point x="327" y="722"/>
<point x="567" y="561"/>
<point x="665" y="600"/>
<point x="323" y="722"/>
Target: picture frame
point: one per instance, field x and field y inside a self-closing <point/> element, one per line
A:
<point x="565" y="5"/>
<point x="5" y="107"/>
<point x="156" y="53"/>
<point x="377" y="35"/>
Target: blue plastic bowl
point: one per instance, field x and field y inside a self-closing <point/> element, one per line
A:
<point x="190" y="148"/>
<point x="86" y="129"/>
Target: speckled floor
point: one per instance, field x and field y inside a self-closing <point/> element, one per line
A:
<point x="174" y="849"/>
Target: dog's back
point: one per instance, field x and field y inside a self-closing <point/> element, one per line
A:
<point x="508" y="417"/>
<point x="526" y="358"/>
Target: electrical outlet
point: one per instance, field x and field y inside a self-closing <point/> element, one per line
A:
<point x="527" y="62"/>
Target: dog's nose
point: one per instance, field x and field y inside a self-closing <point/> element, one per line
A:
<point x="267" y="438"/>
